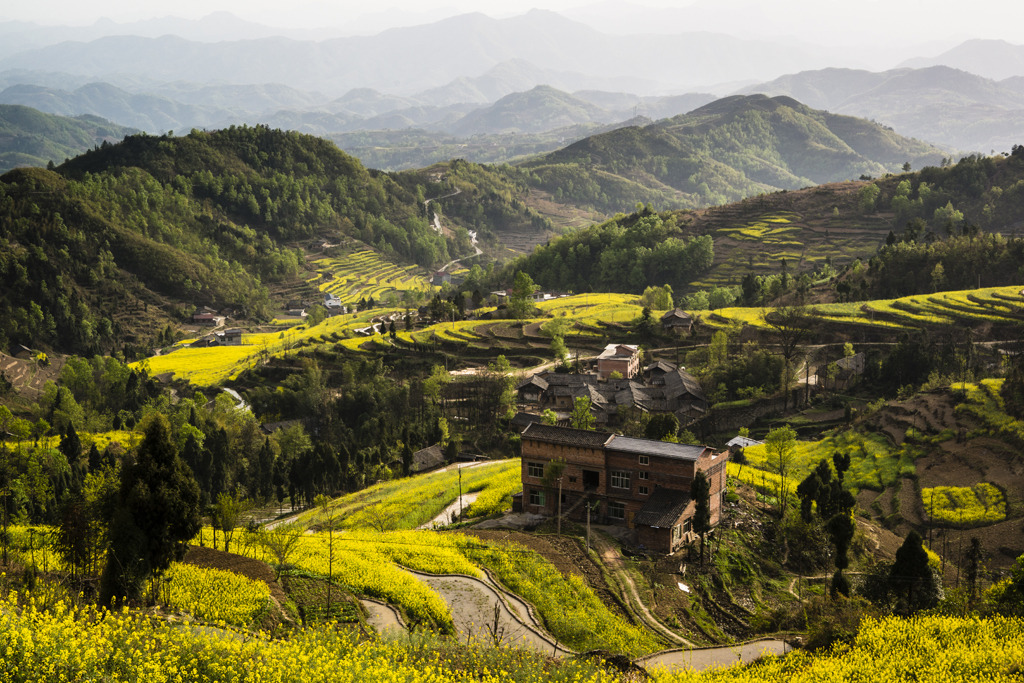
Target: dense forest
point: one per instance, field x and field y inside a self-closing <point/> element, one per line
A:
<point x="625" y="254"/>
<point x="948" y="224"/>
<point x="204" y="219"/>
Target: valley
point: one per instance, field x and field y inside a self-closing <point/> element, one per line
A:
<point x="510" y="349"/>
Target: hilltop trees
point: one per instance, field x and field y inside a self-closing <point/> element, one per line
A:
<point x="624" y="254"/>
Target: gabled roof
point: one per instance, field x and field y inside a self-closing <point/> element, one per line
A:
<point x="681" y="382"/>
<point x="663" y="509"/>
<point x="676" y="316"/>
<point x="536" y="381"/>
<point x="427" y="458"/>
<point x="566" y="436"/>
<point x="619" y="351"/>
<point x="664" y="449"/>
<point x="854" y="363"/>
<point x="661" y="366"/>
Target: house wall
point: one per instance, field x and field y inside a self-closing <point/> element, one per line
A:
<point x="671" y="473"/>
<point x="577" y="459"/>
<point x="628" y="366"/>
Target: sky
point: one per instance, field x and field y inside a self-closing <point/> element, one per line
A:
<point x="820" y="21"/>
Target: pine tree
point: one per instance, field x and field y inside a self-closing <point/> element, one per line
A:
<point x="155" y="514"/>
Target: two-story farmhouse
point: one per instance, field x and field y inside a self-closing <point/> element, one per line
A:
<point x="638" y="483"/>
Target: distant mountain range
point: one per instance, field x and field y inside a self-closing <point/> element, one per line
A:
<point x="942" y="105"/>
<point x="32" y="138"/>
<point x="489" y="90"/>
<point x="418" y="58"/>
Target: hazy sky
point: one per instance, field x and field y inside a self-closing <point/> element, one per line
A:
<point x="821" y="21"/>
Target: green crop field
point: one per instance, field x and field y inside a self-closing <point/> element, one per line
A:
<point x="965" y="505"/>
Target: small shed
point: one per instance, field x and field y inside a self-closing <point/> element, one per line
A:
<point x="677" y="320"/>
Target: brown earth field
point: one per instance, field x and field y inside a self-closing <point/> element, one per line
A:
<point x="961" y="458"/>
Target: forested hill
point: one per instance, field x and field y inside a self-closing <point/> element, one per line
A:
<point x="947" y="227"/>
<point x="729" y="149"/>
<point x="31" y="138"/>
<point x="100" y="252"/>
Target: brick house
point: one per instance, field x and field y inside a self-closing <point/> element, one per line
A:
<point x="622" y="358"/>
<point x="637" y="483"/>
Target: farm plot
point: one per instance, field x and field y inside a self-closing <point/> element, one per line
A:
<point x="365" y="275"/>
<point x="965" y="505"/>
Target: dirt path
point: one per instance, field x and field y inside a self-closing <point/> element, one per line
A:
<point x="457" y="506"/>
<point x="381" y="616"/>
<point x="473" y="604"/>
<point x="712" y="657"/>
<point x="612" y="559"/>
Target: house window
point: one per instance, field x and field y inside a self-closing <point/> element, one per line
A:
<point x="534" y="469"/>
<point x="616" y="510"/>
<point x="687" y="526"/>
<point x="572" y="480"/>
<point x="677" y="533"/>
<point x="642" y="490"/>
<point x="620" y="479"/>
<point x="645" y="460"/>
<point x="643" y="476"/>
<point x="536" y="498"/>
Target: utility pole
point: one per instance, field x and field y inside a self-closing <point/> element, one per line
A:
<point x="460" y="491"/>
<point x="559" y="506"/>
<point x="588" y="525"/>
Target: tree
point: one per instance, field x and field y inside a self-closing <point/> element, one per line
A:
<point x="911" y="579"/>
<point x="520" y="300"/>
<point x="661" y="426"/>
<point x="780" y="446"/>
<point x="281" y="542"/>
<point x="700" y="491"/>
<point x="155" y="515"/>
<point x="328" y="519"/>
<point x="549" y="417"/>
<point x="792" y="325"/>
<point x="226" y="512"/>
<point x="581" y="417"/>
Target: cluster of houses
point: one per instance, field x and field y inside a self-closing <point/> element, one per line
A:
<point x="617" y="388"/>
<point x="642" y="485"/>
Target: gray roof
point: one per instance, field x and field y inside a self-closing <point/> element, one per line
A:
<point x="536" y="381"/>
<point x="427" y="458"/>
<point x="566" y="435"/>
<point x="663" y="508"/>
<point x="664" y="449"/>
<point x="743" y="442"/>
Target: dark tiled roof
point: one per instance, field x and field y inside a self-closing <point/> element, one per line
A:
<point x="663" y="508"/>
<point x="664" y="449"/>
<point x="522" y="419"/>
<point x="536" y="381"/>
<point x="427" y="458"/>
<point x="566" y="435"/>
<point x="661" y="365"/>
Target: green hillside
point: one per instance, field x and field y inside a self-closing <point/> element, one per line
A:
<point x="729" y="149"/>
<point x="106" y="249"/>
<point x="31" y="138"/>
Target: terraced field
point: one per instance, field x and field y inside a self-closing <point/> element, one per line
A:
<point x="750" y="237"/>
<point x="364" y="275"/>
<point x="966" y="307"/>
